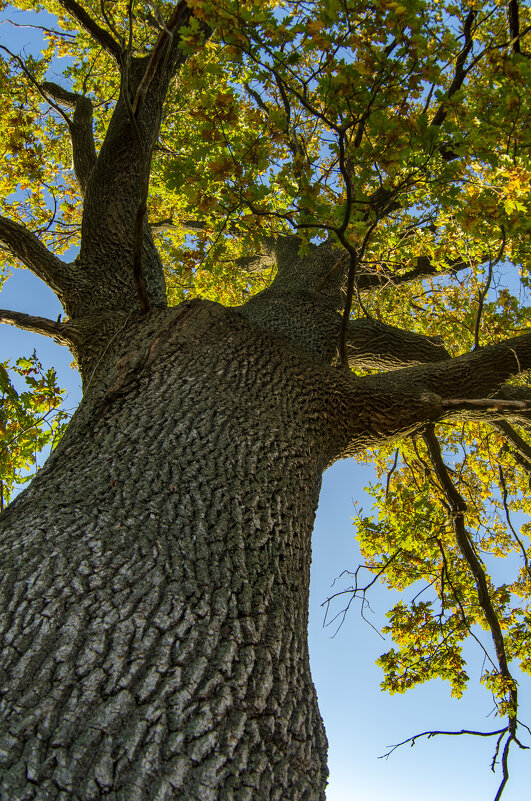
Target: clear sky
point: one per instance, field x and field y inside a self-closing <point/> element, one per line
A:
<point x="360" y="720"/>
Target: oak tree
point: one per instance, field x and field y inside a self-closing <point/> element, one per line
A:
<point x="300" y="234"/>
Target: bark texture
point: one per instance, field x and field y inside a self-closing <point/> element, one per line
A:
<point x="155" y="580"/>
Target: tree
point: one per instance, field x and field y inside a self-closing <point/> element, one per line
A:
<point x="262" y="196"/>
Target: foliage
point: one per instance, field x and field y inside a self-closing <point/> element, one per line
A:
<point x="30" y="420"/>
<point x="411" y="521"/>
<point x="400" y="130"/>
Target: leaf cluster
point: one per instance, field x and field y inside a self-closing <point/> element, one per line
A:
<point x="31" y="419"/>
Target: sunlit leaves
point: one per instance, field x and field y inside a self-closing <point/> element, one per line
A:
<point x="30" y="420"/>
<point x="410" y="519"/>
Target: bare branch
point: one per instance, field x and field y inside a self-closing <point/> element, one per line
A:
<point x="80" y="129"/>
<point x="356" y="592"/>
<point x="25" y="246"/>
<point x="98" y="33"/>
<point x="460" y="71"/>
<point x="54" y="31"/>
<point x="372" y="344"/>
<point x="514" y="25"/>
<point x="38" y="325"/>
<point x="430" y="734"/>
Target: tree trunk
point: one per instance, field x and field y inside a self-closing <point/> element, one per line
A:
<point x="154" y="583"/>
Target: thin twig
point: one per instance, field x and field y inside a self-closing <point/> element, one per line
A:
<point x="483" y="292"/>
<point x="508" y="517"/>
<point x="434" y="733"/>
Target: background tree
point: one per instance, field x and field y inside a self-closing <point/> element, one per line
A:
<point x="268" y="193"/>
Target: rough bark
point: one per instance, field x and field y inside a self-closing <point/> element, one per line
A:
<point x="155" y="580"/>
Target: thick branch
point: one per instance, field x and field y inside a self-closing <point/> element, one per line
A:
<point x="80" y="128"/>
<point x="479" y="374"/>
<point x="115" y="230"/>
<point x="38" y="325"/>
<point x="25" y="246"/>
<point x="373" y="345"/>
<point x="100" y="35"/>
<point x="514" y="25"/>
<point x="158" y="59"/>
<point x="522" y="449"/>
<point x="385" y="406"/>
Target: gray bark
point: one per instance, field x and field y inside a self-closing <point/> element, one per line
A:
<point x="155" y="581"/>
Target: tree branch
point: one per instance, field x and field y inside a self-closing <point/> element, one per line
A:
<point x="39" y="325"/>
<point x="456" y="507"/>
<point x="388" y="405"/>
<point x="424" y="268"/>
<point x="373" y="345"/>
<point x="99" y="34"/>
<point x="80" y="129"/>
<point x="487" y="405"/>
<point x="460" y="71"/>
<point x="25" y="246"/>
<point x="480" y="374"/>
<point x="514" y="25"/>
<point x="115" y="227"/>
<point x="522" y="452"/>
<point x="429" y="734"/>
<point x="160" y="53"/>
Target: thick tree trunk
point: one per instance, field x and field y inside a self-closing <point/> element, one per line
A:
<point x="154" y="580"/>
